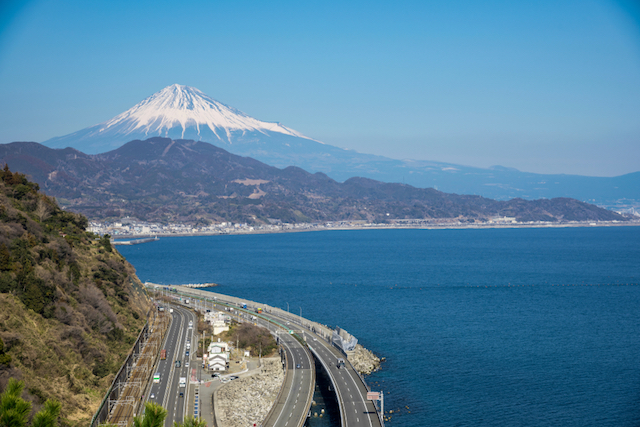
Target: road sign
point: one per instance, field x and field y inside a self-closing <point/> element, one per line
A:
<point x="373" y="395"/>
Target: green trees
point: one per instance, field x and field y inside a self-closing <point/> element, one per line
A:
<point x="154" y="416"/>
<point x="14" y="410"/>
<point x="5" y="359"/>
<point x="191" y="422"/>
<point x="105" y="241"/>
<point x="48" y="416"/>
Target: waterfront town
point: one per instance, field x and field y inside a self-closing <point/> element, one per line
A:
<point x="131" y="227"/>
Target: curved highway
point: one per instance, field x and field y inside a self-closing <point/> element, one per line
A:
<point x="355" y="409"/>
<point x="294" y="402"/>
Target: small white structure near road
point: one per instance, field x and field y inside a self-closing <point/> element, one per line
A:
<point x="218" y="356"/>
<point x="217" y="321"/>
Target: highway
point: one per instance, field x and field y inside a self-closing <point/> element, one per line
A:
<point x="167" y="391"/>
<point x="355" y="409"/>
<point x="294" y="402"/>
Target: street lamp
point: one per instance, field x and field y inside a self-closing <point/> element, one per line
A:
<point x="300" y="314"/>
<point x="287" y="307"/>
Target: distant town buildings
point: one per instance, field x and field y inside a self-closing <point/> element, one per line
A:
<point x="132" y="228"/>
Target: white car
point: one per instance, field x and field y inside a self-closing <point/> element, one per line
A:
<point x="153" y="396"/>
<point x="186" y="364"/>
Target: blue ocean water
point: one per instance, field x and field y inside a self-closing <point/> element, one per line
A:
<point x="497" y="327"/>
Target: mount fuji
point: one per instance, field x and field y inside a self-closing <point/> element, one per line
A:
<point x="185" y="113"/>
<point x="177" y="112"/>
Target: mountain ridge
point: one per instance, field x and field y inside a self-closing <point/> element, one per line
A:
<point x="165" y="180"/>
<point x="182" y="112"/>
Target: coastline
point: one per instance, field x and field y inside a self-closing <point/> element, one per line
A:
<point x="444" y="226"/>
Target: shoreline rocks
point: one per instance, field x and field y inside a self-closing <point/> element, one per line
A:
<point x="363" y="360"/>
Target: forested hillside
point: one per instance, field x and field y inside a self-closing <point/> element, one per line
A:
<point x="70" y="305"/>
<point x="164" y="180"/>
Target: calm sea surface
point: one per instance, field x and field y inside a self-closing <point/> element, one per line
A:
<point x="519" y="327"/>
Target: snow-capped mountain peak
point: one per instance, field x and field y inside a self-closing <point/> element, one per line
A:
<point x="185" y="106"/>
<point x="177" y="112"/>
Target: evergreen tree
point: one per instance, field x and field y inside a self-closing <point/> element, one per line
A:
<point x="48" y="416"/>
<point x="14" y="410"/>
<point x="153" y="416"/>
<point x="191" y="422"/>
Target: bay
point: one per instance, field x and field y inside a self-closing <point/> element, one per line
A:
<point x="520" y="327"/>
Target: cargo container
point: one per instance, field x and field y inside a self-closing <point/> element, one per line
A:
<point x="163" y="354"/>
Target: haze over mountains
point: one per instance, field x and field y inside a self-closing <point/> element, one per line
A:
<point x="182" y="112"/>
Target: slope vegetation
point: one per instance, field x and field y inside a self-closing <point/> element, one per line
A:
<point x="70" y="305"/>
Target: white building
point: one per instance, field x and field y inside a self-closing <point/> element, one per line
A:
<point x="217" y="321"/>
<point x="218" y="362"/>
<point x="218" y="347"/>
<point x="218" y="357"/>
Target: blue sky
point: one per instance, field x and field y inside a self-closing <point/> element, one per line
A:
<point x="542" y="86"/>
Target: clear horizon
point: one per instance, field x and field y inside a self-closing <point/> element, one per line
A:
<point x="548" y="88"/>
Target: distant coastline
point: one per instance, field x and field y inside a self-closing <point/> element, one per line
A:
<point x="444" y="226"/>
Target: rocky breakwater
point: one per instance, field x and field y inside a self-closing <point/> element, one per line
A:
<point x="363" y="360"/>
<point x="247" y="401"/>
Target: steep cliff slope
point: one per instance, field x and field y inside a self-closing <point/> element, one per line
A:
<point x="70" y="305"/>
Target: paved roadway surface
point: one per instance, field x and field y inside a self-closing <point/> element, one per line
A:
<point x="167" y="391"/>
<point x="294" y="403"/>
<point x="355" y="409"/>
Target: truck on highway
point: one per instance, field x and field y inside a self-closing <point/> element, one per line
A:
<point x="156" y="377"/>
<point x="163" y="354"/>
<point x="243" y="305"/>
<point x="186" y="301"/>
<point x="183" y="382"/>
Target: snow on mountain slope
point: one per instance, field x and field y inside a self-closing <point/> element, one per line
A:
<point x="185" y="106"/>
<point x="176" y="111"/>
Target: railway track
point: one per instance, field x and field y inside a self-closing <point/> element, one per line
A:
<point x="131" y="396"/>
